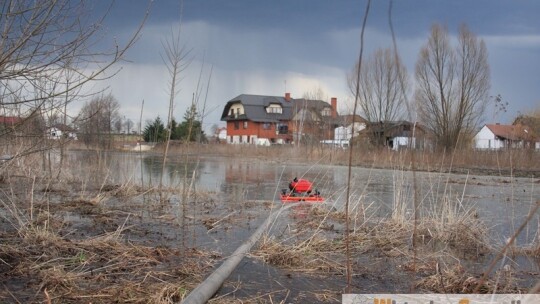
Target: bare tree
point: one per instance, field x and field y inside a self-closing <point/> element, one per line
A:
<point x="175" y="60"/>
<point x="49" y="51"/>
<point x="118" y="125"/>
<point x="382" y="90"/>
<point x="316" y="93"/>
<point x="452" y="85"/>
<point x="128" y="125"/>
<point x="382" y="97"/>
<point x="97" y="119"/>
<point x="307" y="119"/>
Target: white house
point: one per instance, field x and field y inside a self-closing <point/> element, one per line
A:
<point x="59" y="131"/>
<point x="346" y="133"/>
<point x="221" y="134"/>
<point x="343" y="134"/>
<point x="497" y="136"/>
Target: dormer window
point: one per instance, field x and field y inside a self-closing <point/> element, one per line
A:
<point x="326" y="112"/>
<point x="275" y="109"/>
<point x="236" y="110"/>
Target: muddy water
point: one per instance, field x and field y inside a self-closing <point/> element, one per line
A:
<point x="243" y="185"/>
<point x="502" y="201"/>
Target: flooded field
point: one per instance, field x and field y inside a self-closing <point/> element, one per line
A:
<point x="501" y="200"/>
<point x="213" y="204"/>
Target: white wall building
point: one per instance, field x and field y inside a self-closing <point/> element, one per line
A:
<point x="497" y="136"/>
<point x="59" y="131"/>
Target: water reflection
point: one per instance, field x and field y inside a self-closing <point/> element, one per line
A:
<point x="176" y="172"/>
<point x="503" y="202"/>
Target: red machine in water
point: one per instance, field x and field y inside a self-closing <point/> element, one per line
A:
<point x="300" y="190"/>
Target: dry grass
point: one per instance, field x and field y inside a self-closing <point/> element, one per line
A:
<point x="43" y="259"/>
<point x="103" y="268"/>
<point x="455" y="279"/>
<point x="508" y="162"/>
<point x="306" y="257"/>
<point x="316" y="246"/>
<point x="109" y="267"/>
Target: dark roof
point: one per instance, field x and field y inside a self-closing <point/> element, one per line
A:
<point x="394" y="128"/>
<point x="255" y="108"/>
<point x="317" y="105"/>
<point x="346" y="120"/>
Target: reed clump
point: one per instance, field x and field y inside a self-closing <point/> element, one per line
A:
<point x="305" y="257"/>
<point x="456" y="279"/>
<point x="50" y="251"/>
<point x="316" y="244"/>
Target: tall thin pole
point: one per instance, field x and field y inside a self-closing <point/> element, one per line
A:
<point x="349" y="174"/>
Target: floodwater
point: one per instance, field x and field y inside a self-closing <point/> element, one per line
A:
<point x="501" y="202"/>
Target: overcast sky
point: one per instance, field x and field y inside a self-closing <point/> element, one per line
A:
<point x="297" y="46"/>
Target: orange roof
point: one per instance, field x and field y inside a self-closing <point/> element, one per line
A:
<point x="512" y="132"/>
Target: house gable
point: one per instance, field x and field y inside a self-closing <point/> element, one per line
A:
<point x="236" y="109"/>
<point x="311" y="110"/>
<point x="511" y="132"/>
<point x="497" y="136"/>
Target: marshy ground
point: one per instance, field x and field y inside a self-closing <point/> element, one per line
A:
<point x="75" y="240"/>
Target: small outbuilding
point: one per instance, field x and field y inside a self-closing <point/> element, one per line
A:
<point x="59" y="131"/>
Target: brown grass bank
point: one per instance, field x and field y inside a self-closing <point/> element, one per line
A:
<point x="512" y="162"/>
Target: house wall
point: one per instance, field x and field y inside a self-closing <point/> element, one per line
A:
<point x="222" y="134"/>
<point x="345" y="133"/>
<point x="308" y="122"/>
<point x="54" y="133"/>
<point x="485" y="139"/>
<point x="313" y="129"/>
<point x="342" y="133"/>
<point x="400" y="142"/>
<point x="254" y="133"/>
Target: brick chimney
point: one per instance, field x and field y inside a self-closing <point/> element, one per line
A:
<point x="333" y="103"/>
<point x="287" y="96"/>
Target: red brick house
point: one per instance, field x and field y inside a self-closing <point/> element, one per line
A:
<point x="9" y="121"/>
<point x="257" y="119"/>
<point x="265" y="120"/>
<point x="10" y="125"/>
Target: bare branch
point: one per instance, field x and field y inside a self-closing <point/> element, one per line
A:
<point x="452" y="85"/>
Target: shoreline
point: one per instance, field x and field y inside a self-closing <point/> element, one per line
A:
<point x="508" y="163"/>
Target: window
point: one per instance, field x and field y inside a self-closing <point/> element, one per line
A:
<point x="282" y="128"/>
<point x="326" y="112"/>
<point x="245" y="124"/>
<point x="236" y="125"/>
<point x="266" y="126"/>
<point x="274" y="109"/>
<point x="232" y="112"/>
